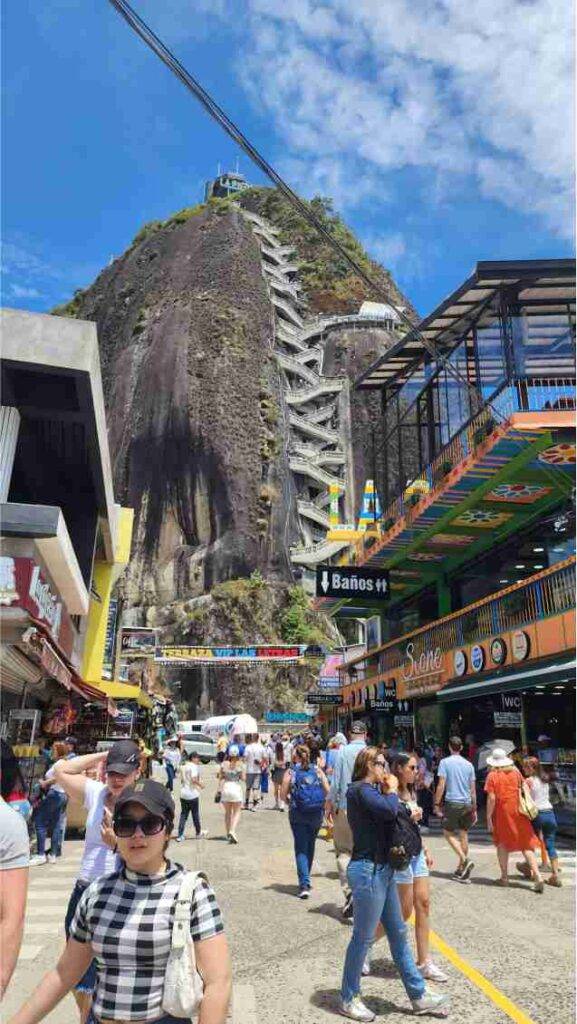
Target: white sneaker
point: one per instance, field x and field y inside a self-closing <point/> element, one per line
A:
<point x="51" y="858"/>
<point x="180" y="839"/>
<point x="431" y="1002"/>
<point x="232" y="838"/>
<point x="303" y="894"/>
<point x="202" y="834"/>
<point x="366" y="968"/>
<point x="431" y="972"/>
<point x="38" y="858"/>
<point x="356" y="1010"/>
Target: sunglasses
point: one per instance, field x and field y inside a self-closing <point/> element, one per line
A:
<point x="150" y="825"/>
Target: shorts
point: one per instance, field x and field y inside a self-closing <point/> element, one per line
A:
<point x="87" y="982"/>
<point x="458" y="817"/>
<point x="252" y="781"/>
<point x="416" y="869"/>
<point x="232" y="793"/>
<point x="278" y="775"/>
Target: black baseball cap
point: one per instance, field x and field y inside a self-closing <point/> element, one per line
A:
<point x="149" y="794"/>
<point x="123" y="757"/>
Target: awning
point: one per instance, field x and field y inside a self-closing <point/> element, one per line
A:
<point x="525" y="678"/>
<point x="123" y="691"/>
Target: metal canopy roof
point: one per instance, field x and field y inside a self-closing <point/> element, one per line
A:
<point x="548" y="286"/>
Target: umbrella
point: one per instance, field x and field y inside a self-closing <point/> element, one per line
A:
<point x="244" y="725"/>
<point x="487" y="749"/>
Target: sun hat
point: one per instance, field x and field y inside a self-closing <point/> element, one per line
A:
<point x="499" y="759"/>
<point x="358" y="729"/>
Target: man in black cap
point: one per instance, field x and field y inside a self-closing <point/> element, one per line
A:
<point x="121" y="765"/>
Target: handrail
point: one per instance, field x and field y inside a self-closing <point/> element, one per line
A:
<point x="485" y="603"/>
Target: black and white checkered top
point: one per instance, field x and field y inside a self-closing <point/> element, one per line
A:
<point x="127" y="918"/>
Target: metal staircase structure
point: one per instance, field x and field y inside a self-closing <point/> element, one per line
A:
<point x="318" y="446"/>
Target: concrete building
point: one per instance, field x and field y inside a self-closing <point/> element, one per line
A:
<point x="64" y="539"/>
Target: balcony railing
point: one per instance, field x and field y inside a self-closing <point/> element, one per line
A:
<point x="550" y="592"/>
<point x="529" y="394"/>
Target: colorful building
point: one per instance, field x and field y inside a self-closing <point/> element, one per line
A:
<point x="476" y="473"/>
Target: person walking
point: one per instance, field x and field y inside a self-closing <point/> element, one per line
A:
<point x="221" y="745"/>
<point x="265" y="772"/>
<point x="230" y="781"/>
<point x="171" y="757"/>
<point x="539" y="777"/>
<point x="456" y="787"/>
<point x="414" y="881"/>
<point x="334" y="745"/>
<point x="50" y="815"/>
<point x="373" y="806"/>
<point x="279" y="766"/>
<point x="424" y="791"/>
<point x="337" y="808"/>
<point x="125" y="921"/>
<point x="511" y="829"/>
<point x="14" y="861"/>
<point x="254" y="755"/>
<point x="121" y="765"/>
<point x="191" y="785"/>
<point x="307" y="788"/>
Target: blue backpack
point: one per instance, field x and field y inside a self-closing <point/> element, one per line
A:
<point x="307" y="793"/>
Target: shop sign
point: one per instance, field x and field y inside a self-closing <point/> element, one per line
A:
<point x="460" y="663"/>
<point x="511" y="713"/>
<point x="137" y="642"/>
<point x="225" y="655"/>
<point x="24" y="585"/>
<point x="383" y="704"/>
<point x="498" y="651"/>
<point x="520" y="645"/>
<point x="477" y="658"/>
<point x="348" y="581"/>
<point x="418" y="670"/>
<point x="329" y="678"/>
<point x="318" y="699"/>
<point x="404" y="717"/>
<point x="286" y="716"/>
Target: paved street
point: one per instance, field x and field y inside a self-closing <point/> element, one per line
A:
<point x="500" y="945"/>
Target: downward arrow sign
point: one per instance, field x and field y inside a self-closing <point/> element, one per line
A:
<point x="325" y="581"/>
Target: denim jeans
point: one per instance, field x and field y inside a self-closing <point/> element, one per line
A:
<point x="305" y="834"/>
<point x="170" y="775"/>
<point x="375" y="898"/>
<point x="546" y="822"/>
<point x="189" y="807"/>
<point x="88" y="980"/>
<point x="50" y="818"/>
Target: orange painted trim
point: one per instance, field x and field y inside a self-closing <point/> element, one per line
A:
<point x="547" y="418"/>
<point x="462" y="611"/>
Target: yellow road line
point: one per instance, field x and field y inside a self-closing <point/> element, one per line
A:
<point x="480" y="981"/>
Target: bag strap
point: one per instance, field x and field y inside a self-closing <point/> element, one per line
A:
<point x="182" y="909"/>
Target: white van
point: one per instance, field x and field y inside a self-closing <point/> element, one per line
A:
<point x="187" y="727"/>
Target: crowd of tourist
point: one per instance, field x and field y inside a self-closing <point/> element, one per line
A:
<point x="133" y="911"/>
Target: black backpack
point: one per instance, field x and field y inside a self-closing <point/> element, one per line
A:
<point x="406" y="843"/>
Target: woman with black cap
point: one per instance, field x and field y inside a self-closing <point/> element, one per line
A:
<point x="121" y="766"/>
<point x="126" y="920"/>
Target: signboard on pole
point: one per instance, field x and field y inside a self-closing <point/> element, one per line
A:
<point x="184" y="655"/>
<point x="137" y="642"/>
<point x="287" y="716"/>
<point x="317" y="699"/>
<point x="329" y="678"/>
<point x="351" y="581"/>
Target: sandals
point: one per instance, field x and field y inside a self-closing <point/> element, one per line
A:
<point x="554" y="881"/>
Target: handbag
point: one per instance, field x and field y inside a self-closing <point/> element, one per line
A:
<point x="217" y="797"/>
<point x="183" y="985"/>
<point x="527" y="806"/>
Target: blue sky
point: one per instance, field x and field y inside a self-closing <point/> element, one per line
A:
<point x="442" y="132"/>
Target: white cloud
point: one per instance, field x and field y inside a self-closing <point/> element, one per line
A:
<point x="481" y="91"/>
<point x="20" y="292"/>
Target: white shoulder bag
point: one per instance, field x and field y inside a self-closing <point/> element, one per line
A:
<point x="183" y="985"/>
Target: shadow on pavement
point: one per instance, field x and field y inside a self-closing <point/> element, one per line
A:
<point x="285" y="890"/>
<point x="330" y="910"/>
<point x="514" y="883"/>
<point x="329" y="999"/>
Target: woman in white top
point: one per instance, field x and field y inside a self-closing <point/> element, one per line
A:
<point x="190" y="786"/>
<point x="538" y="778"/>
<point x="230" y="779"/>
<point x="121" y="764"/>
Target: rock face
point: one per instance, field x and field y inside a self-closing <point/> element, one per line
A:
<point x="198" y="424"/>
<point x="192" y="392"/>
